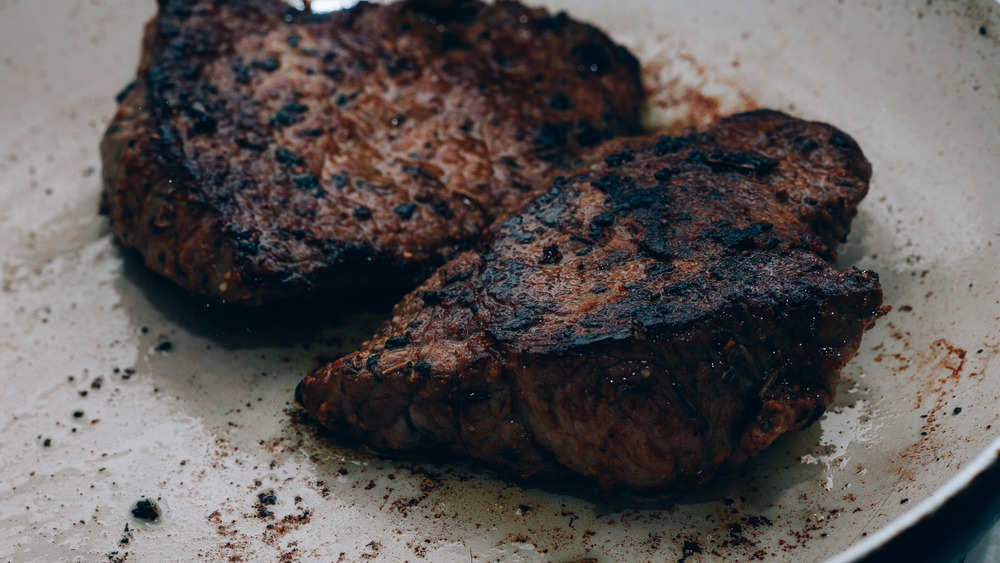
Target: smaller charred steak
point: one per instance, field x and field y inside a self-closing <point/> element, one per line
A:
<point x="659" y="312"/>
<point x="266" y="152"/>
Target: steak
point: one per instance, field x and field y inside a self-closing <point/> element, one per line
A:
<point x="662" y="311"/>
<point x="264" y="152"/>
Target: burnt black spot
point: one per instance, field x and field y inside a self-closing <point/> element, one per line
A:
<point x="397" y="342"/>
<point x="524" y="318"/>
<point x="250" y="144"/>
<point x="841" y="142"/>
<point x="560" y="102"/>
<point x="550" y="255"/>
<point x="619" y="159"/>
<point x="588" y="136"/>
<point x="600" y="222"/>
<point x="362" y="213"/>
<point x="451" y="41"/>
<point x="285" y="156"/>
<point x="659" y="268"/>
<point x="282" y="118"/>
<point x="741" y="162"/>
<point x="441" y="208"/>
<point x="592" y="57"/>
<point x="422" y="369"/>
<point x="431" y="298"/>
<point x="294" y="40"/>
<point x="270" y="64"/>
<point x="551" y="136"/>
<point x="400" y="65"/>
<point x="522" y="237"/>
<point x="623" y="195"/>
<point x="405" y="210"/>
<point x="339" y="181"/>
<point x="670" y="145"/>
<point x="553" y="23"/>
<point x="664" y="175"/>
<point x="740" y="239"/>
<point x="372" y="362"/>
<point x="309" y="184"/>
<point x="456" y="277"/>
<point x="241" y="74"/>
<point x="203" y="123"/>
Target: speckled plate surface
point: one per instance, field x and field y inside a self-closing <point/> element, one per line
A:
<point x="118" y="387"/>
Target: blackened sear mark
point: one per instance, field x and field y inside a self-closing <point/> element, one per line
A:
<point x="397" y="342"/>
<point x="741" y="239"/>
<point x="120" y="96"/>
<point x="664" y="175"/>
<point x="551" y="136"/>
<point x="592" y="57"/>
<point x="450" y="41"/>
<point x="560" y="102"/>
<point x="309" y="183"/>
<point x="739" y="162"/>
<point x="204" y="124"/>
<point x="339" y="180"/>
<point x="405" y="210"/>
<point x="842" y="142"/>
<point x="281" y="119"/>
<point x="294" y="107"/>
<point x="456" y="277"/>
<point x="285" y="156"/>
<point x="270" y="64"/>
<point x="618" y="159"/>
<point x="587" y="135"/>
<point x="670" y="145"/>
<point x="422" y="369"/>
<point x="372" y="362"/>
<point x="287" y="114"/>
<point x="431" y="298"/>
<point x="623" y="195"/>
<point x="550" y="255"/>
<point x="600" y="222"/>
<point x="440" y="207"/>
<point x="524" y="318"/>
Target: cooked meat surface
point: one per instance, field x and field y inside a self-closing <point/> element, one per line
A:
<point x="265" y="152"/>
<point x="664" y="310"/>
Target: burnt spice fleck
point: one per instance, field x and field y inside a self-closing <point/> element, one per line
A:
<point x="146" y="509"/>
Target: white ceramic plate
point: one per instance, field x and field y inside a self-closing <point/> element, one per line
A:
<point x="97" y="411"/>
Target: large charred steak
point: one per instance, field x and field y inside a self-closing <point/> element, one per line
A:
<point x="266" y="152"/>
<point x="658" y="313"/>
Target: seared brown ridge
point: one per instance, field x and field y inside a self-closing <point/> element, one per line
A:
<point x="659" y="312"/>
<point x="265" y="152"/>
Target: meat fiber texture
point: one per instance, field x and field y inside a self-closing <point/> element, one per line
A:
<point x="662" y="311"/>
<point x="264" y="152"/>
